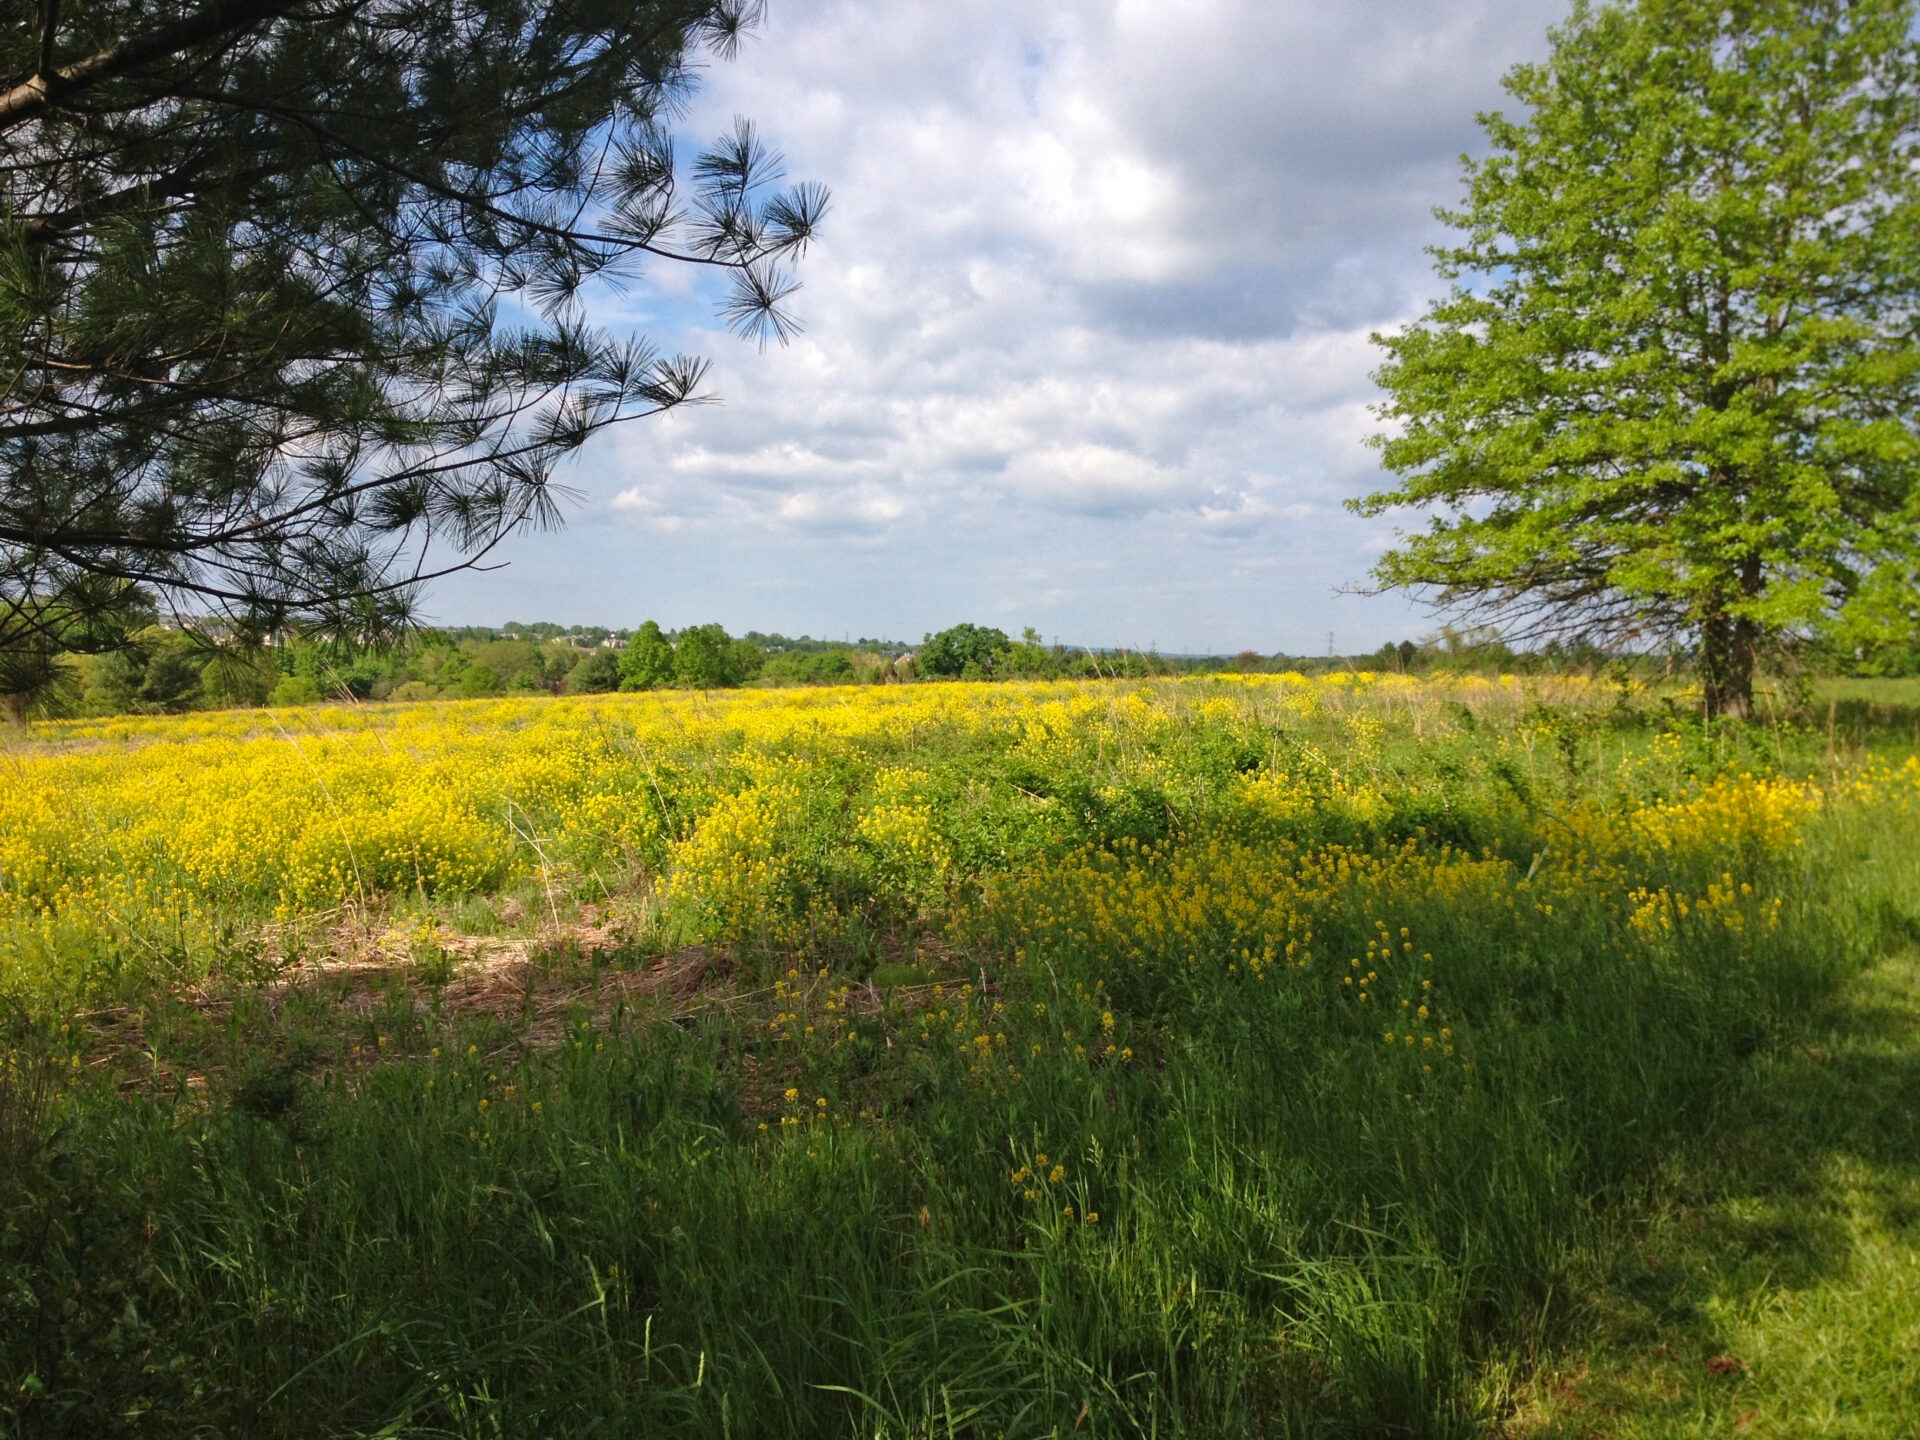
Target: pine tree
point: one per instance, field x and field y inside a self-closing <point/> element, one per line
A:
<point x="291" y="290"/>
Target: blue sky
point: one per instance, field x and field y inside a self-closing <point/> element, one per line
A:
<point x="1086" y="332"/>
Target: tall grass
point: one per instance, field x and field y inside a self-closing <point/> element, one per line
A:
<point x="1102" y="1155"/>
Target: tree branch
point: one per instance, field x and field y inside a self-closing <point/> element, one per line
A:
<point x="222" y="17"/>
<point x="50" y="20"/>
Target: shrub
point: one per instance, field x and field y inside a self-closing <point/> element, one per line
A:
<point x="295" y="690"/>
<point x="952" y="653"/>
<point x="478" y="680"/>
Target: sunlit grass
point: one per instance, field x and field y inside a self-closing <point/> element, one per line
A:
<point x="1233" y="1057"/>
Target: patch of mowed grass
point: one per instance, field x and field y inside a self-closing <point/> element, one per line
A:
<point x="1107" y="1160"/>
<point x="1896" y="690"/>
<point x="1773" y="1287"/>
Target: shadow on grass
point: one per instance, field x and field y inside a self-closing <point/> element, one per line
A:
<point x="1776" y="1291"/>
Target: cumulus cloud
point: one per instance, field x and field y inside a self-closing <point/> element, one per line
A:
<point x="1086" y="334"/>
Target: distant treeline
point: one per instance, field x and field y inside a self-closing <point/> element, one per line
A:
<point x="176" y="668"/>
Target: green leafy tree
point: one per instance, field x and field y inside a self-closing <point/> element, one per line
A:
<point x="106" y="682"/>
<point x="516" y="664"/>
<point x="1673" y="388"/>
<point x="291" y="291"/>
<point x="452" y="665"/>
<point x="647" y="662"/>
<point x="1030" y="657"/>
<point x="595" y="675"/>
<point x="93" y="617"/>
<point x="1879" y="631"/>
<point x="749" y="660"/>
<point x="973" y="651"/>
<point x="809" y="667"/>
<point x="704" y="658"/>
<point x="238" y="680"/>
<point x="478" y="680"/>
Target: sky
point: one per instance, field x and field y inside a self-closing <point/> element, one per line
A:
<point x="1086" y="329"/>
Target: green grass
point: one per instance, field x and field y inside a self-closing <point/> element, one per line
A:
<point x="1857" y="712"/>
<point x="1894" y="690"/>
<point x="1775" y="1292"/>
<point x="1772" y="1287"/>
<point x="374" y="1205"/>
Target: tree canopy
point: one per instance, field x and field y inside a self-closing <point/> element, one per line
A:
<point x="965" y="650"/>
<point x="705" y="657"/>
<point x="647" y="662"/>
<point x="1672" y="388"/>
<point x="290" y="290"/>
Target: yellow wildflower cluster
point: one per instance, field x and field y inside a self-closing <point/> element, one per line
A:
<point x="1736" y="815"/>
<point x="165" y="843"/>
<point x="1345" y="925"/>
<point x="125" y="824"/>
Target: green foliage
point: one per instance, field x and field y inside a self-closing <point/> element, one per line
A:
<point x="524" y="664"/>
<point x="1029" y="658"/>
<point x="477" y="679"/>
<point x="42" y="634"/>
<point x="238" y="680"/>
<point x="746" y="661"/>
<point x="705" y="657"/>
<point x="648" y="662"/>
<point x="819" y="667"/>
<point x="284" y="290"/>
<point x="1672" y="389"/>
<point x="595" y="675"/>
<point x="1878" y="631"/>
<point x="295" y="690"/>
<point x="171" y="678"/>
<point x="964" y="652"/>
<point x="702" y="657"/>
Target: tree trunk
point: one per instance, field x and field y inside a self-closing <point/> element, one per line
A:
<point x="1727" y="652"/>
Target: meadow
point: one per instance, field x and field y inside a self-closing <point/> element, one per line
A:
<point x="1238" y="1055"/>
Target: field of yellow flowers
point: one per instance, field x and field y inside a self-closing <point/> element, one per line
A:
<point x="1238" y="1055"/>
<point x="754" y="818"/>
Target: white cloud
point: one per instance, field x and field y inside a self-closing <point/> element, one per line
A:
<point x="1086" y="330"/>
<point x="1090" y="479"/>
